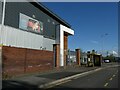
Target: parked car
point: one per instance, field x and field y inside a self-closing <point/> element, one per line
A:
<point x="107" y="61"/>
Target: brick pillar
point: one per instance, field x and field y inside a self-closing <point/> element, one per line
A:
<point x="78" y="57"/>
<point x="1" y="64"/>
<point x="0" y="56"/>
<point x="56" y="50"/>
<point x="65" y="48"/>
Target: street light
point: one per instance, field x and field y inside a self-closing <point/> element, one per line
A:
<point x="102" y="36"/>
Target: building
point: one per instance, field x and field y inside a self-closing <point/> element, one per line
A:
<point x="83" y="58"/>
<point x="32" y="38"/>
<point x="71" y="57"/>
<point x="94" y="59"/>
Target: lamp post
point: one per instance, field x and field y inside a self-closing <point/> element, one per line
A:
<point x="102" y="36"/>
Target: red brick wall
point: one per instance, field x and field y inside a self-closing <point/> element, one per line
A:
<point x="57" y="55"/>
<point x="38" y="60"/>
<point x="78" y="56"/>
<point x="65" y="48"/>
<point x="20" y="60"/>
<point x="13" y="60"/>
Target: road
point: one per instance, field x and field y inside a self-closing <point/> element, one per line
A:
<point x="101" y="77"/>
<point x="105" y="78"/>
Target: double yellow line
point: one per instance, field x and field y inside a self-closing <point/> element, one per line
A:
<point x="106" y="84"/>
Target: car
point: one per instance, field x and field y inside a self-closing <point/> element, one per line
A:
<point x="107" y="61"/>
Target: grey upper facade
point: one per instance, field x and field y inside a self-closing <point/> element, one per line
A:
<point x="19" y="37"/>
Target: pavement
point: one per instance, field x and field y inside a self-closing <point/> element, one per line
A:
<point x="47" y="79"/>
<point x="42" y="79"/>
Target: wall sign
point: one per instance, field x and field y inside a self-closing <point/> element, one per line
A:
<point x="30" y="24"/>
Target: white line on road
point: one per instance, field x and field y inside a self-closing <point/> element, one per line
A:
<point x="76" y="77"/>
<point x="105" y="84"/>
<point x="59" y="83"/>
<point x="49" y="84"/>
<point x="63" y="82"/>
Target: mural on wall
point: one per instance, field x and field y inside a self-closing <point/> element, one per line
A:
<point x="30" y="24"/>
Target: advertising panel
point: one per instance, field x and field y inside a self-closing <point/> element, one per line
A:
<point x="30" y="24"/>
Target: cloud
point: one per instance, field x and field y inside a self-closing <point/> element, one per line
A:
<point x="114" y="52"/>
<point x="93" y="41"/>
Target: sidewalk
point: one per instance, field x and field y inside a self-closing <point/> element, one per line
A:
<point x="34" y="81"/>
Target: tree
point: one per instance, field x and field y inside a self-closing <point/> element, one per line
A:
<point x="111" y="57"/>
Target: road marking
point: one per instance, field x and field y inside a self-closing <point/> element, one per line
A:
<point x="47" y="85"/>
<point x="110" y="78"/>
<point x="58" y="84"/>
<point x="63" y="82"/>
<point x="105" y="84"/>
<point x="117" y="71"/>
<point x="76" y="78"/>
<point x="113" y="75"/>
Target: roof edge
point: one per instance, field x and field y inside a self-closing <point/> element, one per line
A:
<point x="52" y="13"/>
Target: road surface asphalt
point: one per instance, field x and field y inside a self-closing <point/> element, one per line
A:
<point x="73" y="77"/>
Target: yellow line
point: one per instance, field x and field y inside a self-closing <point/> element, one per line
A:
<point x="106" y="84"/>
<point x="113" y="75"/>
<point x="110" y="78"/>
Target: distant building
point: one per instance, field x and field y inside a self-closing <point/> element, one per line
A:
<point x="71" y="57"/>
<point x="27" y="37"/>
<point x="84" y="58"/>
<point x="94" y="58"/>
